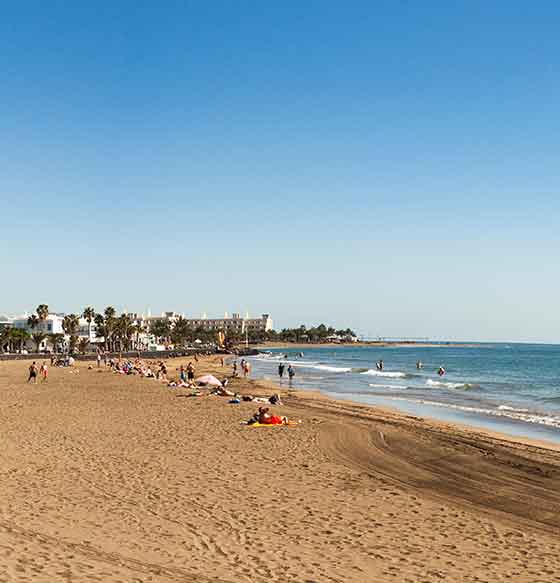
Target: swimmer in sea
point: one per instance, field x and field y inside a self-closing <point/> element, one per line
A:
<point x="441" y="371"/>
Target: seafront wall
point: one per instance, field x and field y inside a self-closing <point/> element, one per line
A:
<point x="151" y="354"/>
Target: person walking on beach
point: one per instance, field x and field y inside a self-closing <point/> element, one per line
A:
<point x="281" y="370"/>
<point x="44" y="371"/>
<point x="234" y="367"/>
<point x="182" y="374"/>
<point x="246" y="368"/>
<point x="98" y="358"/>
<point x="32" y="373"/>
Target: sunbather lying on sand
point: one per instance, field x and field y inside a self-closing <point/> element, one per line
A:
<point x="264" y="417"/>
<point x="222" y="392"/>
<point x="272" y="400"/>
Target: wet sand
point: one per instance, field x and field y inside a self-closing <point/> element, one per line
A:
<point x="116" y="478"/>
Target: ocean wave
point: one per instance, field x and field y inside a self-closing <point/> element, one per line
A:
<point x="382" y="386"/>
<point x="550" y="400"/>
<point x="516" y="415"/>
<point x="329" y="368"/>
<point x="381" y="373"/>
<point x="449" y="385"/>
<point x="508" y="408"/>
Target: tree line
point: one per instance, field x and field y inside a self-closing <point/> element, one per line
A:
<point x="122" y="332"/>
<point x="313" y="334"/>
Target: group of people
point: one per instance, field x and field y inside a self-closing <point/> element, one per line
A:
<point x="157" y="371"/>
<point x="62" y="360"/>
<point x="290" y="370"/>
<point x="419" y="365"/>
<point x="244" y="365"/>
<point x="35" y="371"/>
<point x="186" y="380"/>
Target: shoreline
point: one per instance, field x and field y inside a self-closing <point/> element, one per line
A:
<point x="426" y="421"/>
<point x="477" y="409"/>
<point x="118" y="478"/>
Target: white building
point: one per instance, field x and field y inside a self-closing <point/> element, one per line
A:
<point x="5" y="321"/>
<point x="235" y="324"/>
<point x="52" y="324"/>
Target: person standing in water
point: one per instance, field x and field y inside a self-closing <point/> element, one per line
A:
<point x="379" y="365"/>
<point x="281" y="370"/>
<point x="441" y="371"/>
<point x="291" y="373"/>
<point x="419" y="364"/>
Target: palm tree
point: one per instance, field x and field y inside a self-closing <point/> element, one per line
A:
<point x="124" y="329"/>
<point x="42" y="311"/>
<point x="89" y="315"/>
<point x="180" y="331"/>
<point x="109" y="322"/>
<point x="70" y="325"/>
<point x="55" y="340"/>
<point x="33" y="321"/>
<point x="83" y="344"/>
<point x="137" y="330"/>
<point x="38" y="337"/>
<point x="4" y="338"/>
<point x="101" y="329"/>
<point x="20" y="336"/>
<point x="160" y="329"/>
<point x="109" y="312"/>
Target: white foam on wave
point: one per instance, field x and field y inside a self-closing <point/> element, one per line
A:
<point x="517" y="415"/>
<point x="508" y="408"/>
<point x="443" y="385"/>
<point x="382" y="386"/>
<point x="380" y="373"/>
<point x="319" y="366"/>
<point x="315" y="365"/>
<point x="332" y="368"/>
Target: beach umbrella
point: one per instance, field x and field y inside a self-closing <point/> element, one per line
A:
<point x="208" y="379"/>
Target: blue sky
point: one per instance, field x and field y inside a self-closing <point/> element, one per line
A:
<point x="391" y="166"/>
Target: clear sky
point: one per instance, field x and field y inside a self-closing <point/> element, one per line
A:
<point x="390" y="166"/>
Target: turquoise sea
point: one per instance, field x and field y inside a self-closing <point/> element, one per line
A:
<point x="513" y="388"/>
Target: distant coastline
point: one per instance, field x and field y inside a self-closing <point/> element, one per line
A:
<point x="380" y="343"/>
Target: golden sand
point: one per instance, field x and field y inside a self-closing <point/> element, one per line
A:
<point x="115" y="478"/>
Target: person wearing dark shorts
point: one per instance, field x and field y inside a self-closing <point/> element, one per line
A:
<point x="190" y="372"/>
<point x="32" y="374"/>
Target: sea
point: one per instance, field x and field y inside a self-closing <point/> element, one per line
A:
<point x="511" y="388"/>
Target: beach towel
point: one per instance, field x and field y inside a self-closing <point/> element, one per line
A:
<point x="289" y="424"/>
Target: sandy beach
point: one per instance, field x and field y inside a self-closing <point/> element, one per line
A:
<point x="116" y="478"/>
